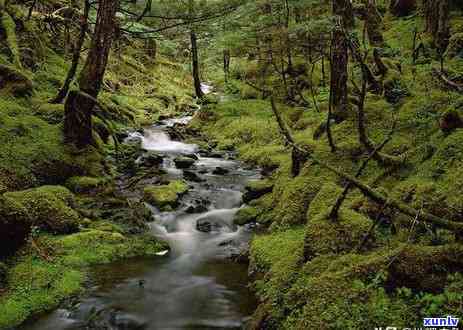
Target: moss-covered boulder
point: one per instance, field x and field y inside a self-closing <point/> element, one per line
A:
<point x="294" y="195"/>
<point x="326" y="236"/>
<point x="165" y="196"/>
<point x="184" y="162"/>
<point x="246" y="215"/>
<point x="13" y="81"/>
<point x="256" y="189"/>
<point x="49" y="208"/>
<point x="85" y="184"/>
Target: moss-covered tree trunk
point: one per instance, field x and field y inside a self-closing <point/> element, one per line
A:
<point x="195" y="64"/>
<point x="402" y="7"/>
<point x="343" y="8"/>
<point x="338" y="84"/>
<point x="437" y="21"/>
<point x="9" y="29"/>
<point x="62" y="93"/>
<point x="374" y="24"/>
<point x="79" y="104"/>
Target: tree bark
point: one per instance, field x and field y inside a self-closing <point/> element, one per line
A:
<point x="78" y="107"/>
<point x="344" y="9"/>
<point x="63" y="92"/>
<point x="374" y="24"/>
<point x="338" y="83"/>
<point x="195" y="65"/>
<point x="437" y="22"/>
<point x="376" y="196"/>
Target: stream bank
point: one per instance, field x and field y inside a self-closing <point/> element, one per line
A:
<point x="195" y="284"/>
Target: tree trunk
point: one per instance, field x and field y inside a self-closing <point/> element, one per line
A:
<point x="402" y="7"/>
<point x="75" y="57"/>
<point x="344" y="9"/>
<point x="437" y="21"/>
<point x="338" y="84"/>
<point x="374" y="24"/>
<point x="79" y="107"/>
<point x="226" y="63"/>
<point x="195" y="65"/>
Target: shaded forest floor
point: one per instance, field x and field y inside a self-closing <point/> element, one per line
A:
<point x="71" y="198"/>
<point x="374" y="266"/>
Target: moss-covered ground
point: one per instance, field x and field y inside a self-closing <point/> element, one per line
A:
<point x="311" y="272"/>
<point x="60" y="232"/>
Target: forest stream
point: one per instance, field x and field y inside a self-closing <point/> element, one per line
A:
<point x="195" y="285"/>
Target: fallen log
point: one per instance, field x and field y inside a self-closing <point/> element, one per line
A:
<point x="375" y="195"/>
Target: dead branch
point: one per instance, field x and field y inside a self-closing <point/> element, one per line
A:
<point x="449" y="83"/>
<point x="337" y="205"/>
<point x="375" y="195"/>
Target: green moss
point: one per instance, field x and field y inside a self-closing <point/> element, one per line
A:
<point x="455" y="47"/>
<point x="246" y="215"/>
<point x="49" y="207"/>
<point x="36" y="285"/>
<point x="51" y="113"/>
<point x="9" y="26"/>
<point x="85" y="184"/>
<point x="165" y="196"/>
<point x="34" y="152"/>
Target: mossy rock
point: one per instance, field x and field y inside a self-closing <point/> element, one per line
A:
<point x="246" y="215"/>
<point x="15" y="82"/>
<point x="294" y="195"/>
<point x="455" y="47"/>
<point x="327" y="236"/>
<point x="166" y="196"/>
<point x="256" y="189"/>
<point x="49" y="208"/>
<point x="85" y="184"/>
<point x="51" y="113"/>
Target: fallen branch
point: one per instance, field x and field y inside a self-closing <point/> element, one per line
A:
<point x="337" y="205"/>
<point x="375" y="195"/>
<point x="449" y="83"/>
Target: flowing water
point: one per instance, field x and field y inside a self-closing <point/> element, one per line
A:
<point x="193" y="286"/>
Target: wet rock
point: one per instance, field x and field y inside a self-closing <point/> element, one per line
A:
<point x="183" y="162"/>
<point x="257" y="189"/>
<point x="215" y="154"/>
<point x="196" y="209"/>
<point x="192" y="176"/>
<point x="237" y="251"/>
<point x="198" y="206"/>
<point x="174" y="133"/>
<point x="212" y="223"/>
<point x="220" y="171"/>
<point x="48" y="208"/>
<point x="246" y="215"/>
<point x="151" y="159"/>
<point x="210" y="154"/>
<point x="165" y="197"/>
<point x="126" y="322"/>
<point x="192" y="156"/>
